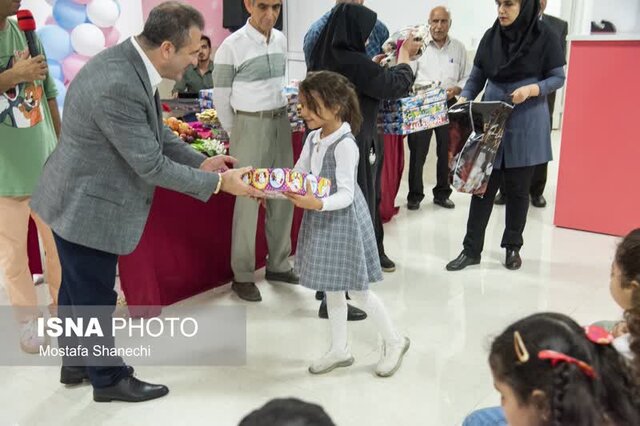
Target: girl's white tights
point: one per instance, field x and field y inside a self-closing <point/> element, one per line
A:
<point x="372" y="305"/>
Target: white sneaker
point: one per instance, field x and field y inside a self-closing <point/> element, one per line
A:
<point x="330" y="361"/>
<point x="30" y="342"/>
<point x="391" y="357"/>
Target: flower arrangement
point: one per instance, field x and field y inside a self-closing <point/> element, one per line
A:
<point x="209" y="147"/>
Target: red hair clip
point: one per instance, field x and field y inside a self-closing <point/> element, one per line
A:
<point x="598" y="335"/>
<point x="557" y="357"/>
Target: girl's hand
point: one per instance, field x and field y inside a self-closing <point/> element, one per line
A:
<point x="525" y="92"/>
<point x="307" y="201"/>
<point x="620" y="329"/>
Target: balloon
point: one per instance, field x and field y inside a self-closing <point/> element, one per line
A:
<point x="87" y="39"/>
<point x="72" y="65"/>
<point x="103" y="13"/>
<point x="111" y="35"/>
<point x="51" y="2"/>
<point x="55" y="69"/>
<point x="62" y="92"/>
<point x="50" y="21"/>
<point x="55" y="41"/>
<point x="82" y="1"/>
<point x="69" y="14"/>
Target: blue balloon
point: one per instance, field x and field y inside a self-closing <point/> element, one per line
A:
<point x="62" y="92"/>
<point x="56" y="42"/>
<point x="69" y="14"/>
<point x="55" y="69"/>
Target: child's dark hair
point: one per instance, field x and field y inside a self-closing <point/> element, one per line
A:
<point x="628" y="261"/>
<point x="335" y="90"/>
<point x="572" y="397"/>
<point x="288" y="412"/>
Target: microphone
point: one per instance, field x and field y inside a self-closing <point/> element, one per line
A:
<point x="28" y="25"/>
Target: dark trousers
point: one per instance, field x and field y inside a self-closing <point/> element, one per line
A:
<point x="88" y="280"/>
<point x="377" y="220"/>
<point x="418" y="150"/>
<point x="517" y="182"/>
<point x="370" y="182"/>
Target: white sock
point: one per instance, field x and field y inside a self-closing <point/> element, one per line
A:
<point x="337" y="310"/>
<point x="375" y="309"/>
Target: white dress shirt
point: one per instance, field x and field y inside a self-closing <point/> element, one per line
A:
<point x="447" y="64"/>
<point x="347" y="156"/>
<point x="154" y="76"/>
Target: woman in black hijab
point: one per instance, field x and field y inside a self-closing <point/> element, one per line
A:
<point x="341" y="48"/>
<point x="521" y="61"/>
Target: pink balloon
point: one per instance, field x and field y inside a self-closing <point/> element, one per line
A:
<point x="111" y="36"/>
<point x="72" y="64"/>
<point x="50" y="20"/>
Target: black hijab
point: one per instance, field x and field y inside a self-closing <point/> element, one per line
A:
<point x="526" y="48"/>
<point x="341" y="45"/>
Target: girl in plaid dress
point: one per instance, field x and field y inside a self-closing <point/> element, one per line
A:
<point x="337" y="249"/>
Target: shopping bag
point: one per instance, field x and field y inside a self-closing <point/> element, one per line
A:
<point x="475" y="134"/>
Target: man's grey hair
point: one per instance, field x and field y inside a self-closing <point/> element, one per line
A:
<point x="171" y="21"/>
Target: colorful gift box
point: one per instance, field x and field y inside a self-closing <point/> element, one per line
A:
<point x="274" y="182"/>
<point x="425" y="110"/>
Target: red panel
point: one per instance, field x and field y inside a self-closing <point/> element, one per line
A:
<point x="599" y="177"/>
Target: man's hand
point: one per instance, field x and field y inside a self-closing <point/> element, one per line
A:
<point x="232" y="184"/>
<point x="29" y="69"/>
<point x="219" y="163"/>
<point x="307" y="201"/>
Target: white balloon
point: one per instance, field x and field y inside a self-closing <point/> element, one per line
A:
<point x="51" y="2"/>
<point x="103" y="13"/>
<point x="87" y="39"/>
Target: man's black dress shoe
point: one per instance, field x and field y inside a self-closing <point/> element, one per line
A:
<point x="500" y="199"/>
<point x="461" y="262"/>
<point x="353" y="313"/>
<point x="129" y="389"/>
<point x="444" y="202"/>
<point x="247" y="291"/>
<point x="413" y="205"/>
<point x="288" y="277"/>
<point x="77" y="375"/>
<point x="513" y="261"/>
<point x="538" y="201"/>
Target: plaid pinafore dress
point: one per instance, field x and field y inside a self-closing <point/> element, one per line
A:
<point x="337" y="250"/>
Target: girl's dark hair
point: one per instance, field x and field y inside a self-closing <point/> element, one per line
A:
<point x="628" y="261"/>
<point x="335" y="90"/>
<point x="572" y="398"/>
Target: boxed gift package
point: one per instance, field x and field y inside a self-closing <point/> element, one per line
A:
<point x="426" y="109"/>
<point x="274" y="182"/>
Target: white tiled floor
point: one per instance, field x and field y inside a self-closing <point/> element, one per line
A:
<point x="450" y="318"/>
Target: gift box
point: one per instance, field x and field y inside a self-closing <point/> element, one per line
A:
<point x="424" y="110"/>
<point x="275" y="181"/>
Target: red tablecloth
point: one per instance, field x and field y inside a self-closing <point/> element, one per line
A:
<point x="185" y="248"/>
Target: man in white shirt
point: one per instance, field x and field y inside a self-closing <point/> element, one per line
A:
<point x="444" y="60"/>
<point x="249" y="78"/>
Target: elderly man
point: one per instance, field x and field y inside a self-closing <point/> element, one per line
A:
<point x="444" y="60"/>
<point x="98" y="184"/>
<point x="378" y="36"/>
<point x="249" y="78"/>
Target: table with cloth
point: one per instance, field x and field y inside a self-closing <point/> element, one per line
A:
<point x="185" y="248"/>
